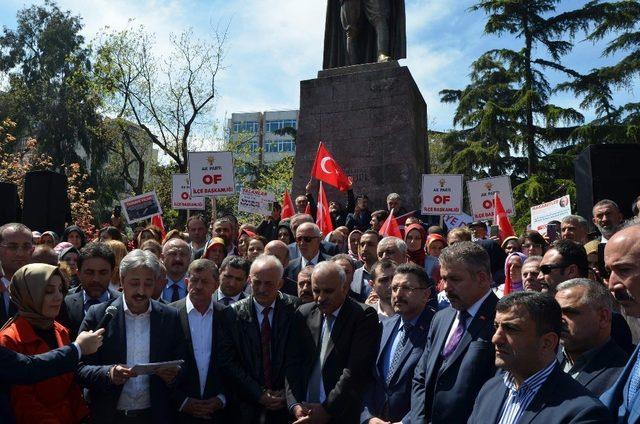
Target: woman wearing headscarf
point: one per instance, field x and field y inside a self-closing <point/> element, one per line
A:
<point x="38" y="291"/>
<point x="68" y="261"/>
<point x="512" y="275"/>
<point x="352" y="244"/>
<point x="415" y="238"/>
<point x="74" y="235"/>
<point x="49" y="238"/>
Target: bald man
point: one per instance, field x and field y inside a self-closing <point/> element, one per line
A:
<point x="281" y="251"/>
<point x="176" y="257"/>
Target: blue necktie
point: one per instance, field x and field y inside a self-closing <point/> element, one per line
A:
<point x="397" y="354"/>
<point x="635" y="383"/>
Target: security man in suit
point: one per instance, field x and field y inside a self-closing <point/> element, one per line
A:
<point x="532" y="387"/>
<point x="95" y="268"/>
<point x="332" y="350"/>
<point x="459" y="357"/>
<point x="588" y="354"/>
<point x="404" y="336"/>
<point x="252" y="350"/>
<point x="201" y="395"/>
<point x="234" y="272"/>
<point x="16" y="247"/>
<point x="142" y="331"/>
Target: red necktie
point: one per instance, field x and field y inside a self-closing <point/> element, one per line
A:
<point x="265" y="338"/>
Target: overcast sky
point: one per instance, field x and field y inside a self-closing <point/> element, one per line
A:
<point x="273" y="44"/>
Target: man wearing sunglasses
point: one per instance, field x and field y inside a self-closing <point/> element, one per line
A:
<point x="308" y="236"/>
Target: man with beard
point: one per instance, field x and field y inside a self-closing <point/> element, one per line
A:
<point x="404" y="337"/>
<point x="176" y="256"/>
<point x="367" y="250"/>
<point x="224" y="228"/>
<point x="574" y="227"/>
<point x="607" y="218"/>
<point x="16" y="247"/>
<point x="305" y="294"/>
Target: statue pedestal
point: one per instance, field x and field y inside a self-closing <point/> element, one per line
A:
<point x="373" y="120"/>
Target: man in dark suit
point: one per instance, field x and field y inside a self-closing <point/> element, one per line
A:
<point x="201" y="388"/>
<point x="253" y="347"/>
<point x="331" y="352"/>
<point x="403" y="339"/>
<point x="234" y="272"/>
<point x="16" y="247"/>
<point x="326" y="247"/>
<point x="176" y="256"/>
<point x="532" y="388"/>
<point x="142" y="331"/>
<point x="459" y="357"/>
<point x="622" y="257"/>
<point x="367" y="249"/>
<point x="308" y="237"/>
<point x="95" y="268"/>
<point x="588" y="354"/>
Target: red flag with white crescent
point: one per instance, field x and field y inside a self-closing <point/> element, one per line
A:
<point x="323" y="218"/>
<point x="390" y="227"/>
<point x="326" y="169"/>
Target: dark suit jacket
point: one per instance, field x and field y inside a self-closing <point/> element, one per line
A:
<point x="561" y="399"/>
<point x="293" y="269"/>
<point x="72" y="311"/>
<point x="615" y="396"/>
<point x="392" y="402"/>
<point x="603" y="369"/>
<point x="241" y="356"/>
<point x="350" y="356"/>
<point x="166" y="344"/>
<point x="11" y="312"/>
<point x="23" y="369"/>
<point x="190" y="384"/>
<point x="444" y="391"/>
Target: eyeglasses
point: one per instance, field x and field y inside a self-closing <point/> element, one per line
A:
<point x="546" y="269"/>
<point x="12" y="247"/>
<point x="397" y="289"/>
<point x="306" y="239"/>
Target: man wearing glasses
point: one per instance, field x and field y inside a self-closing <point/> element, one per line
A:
<point x="308" y="237"/>
<point x="404" y="337"/>
<point x="16" y="247"/>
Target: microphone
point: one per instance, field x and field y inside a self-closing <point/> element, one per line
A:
<point x="108" y="316"/>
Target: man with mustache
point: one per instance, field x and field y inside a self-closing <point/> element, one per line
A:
<point x="253" y="345"/>
<point x="459" y="356"/>
<point x="404" y="337"/>
<point x="142" y="331"/>
<point x="607" y="218"/>
<point x="331" y="351"/>
<point x="305" y="294"/>
<point x="532" y="387"/>
<point x="176" y="256"/>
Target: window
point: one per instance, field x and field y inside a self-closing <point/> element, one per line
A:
<point x="247" y="126"/>
<point x="280" y="146"/>
<point x="272" y="126"/>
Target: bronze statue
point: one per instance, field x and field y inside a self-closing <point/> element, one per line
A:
<point x="364" y="31"/>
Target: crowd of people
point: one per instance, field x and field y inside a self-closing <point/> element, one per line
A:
<point x="280" y="323"/>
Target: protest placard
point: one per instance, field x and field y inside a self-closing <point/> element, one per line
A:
<point x="211" y="173"/>
<point x="554" y="210"/>
<point x="255" y="201"/>
<point x="141" y="207"/>
<point x="441" y="194"/>
<point x="481" y="194"/>
<point x="181" y="194"/>
<point x="456" y="221"/>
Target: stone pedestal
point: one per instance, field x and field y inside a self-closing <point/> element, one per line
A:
<point x="373" y="120"/>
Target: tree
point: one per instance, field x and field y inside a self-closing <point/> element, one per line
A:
<point x="170" y="97"/>
<point x="51" y="94"/>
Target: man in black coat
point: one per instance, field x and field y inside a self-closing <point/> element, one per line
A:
<point x="308" y="237"/>
<point x="95" y="269"/>
<point x="588" y="353"/>
<point x="252" y="349"/>
<point x="332" y="349"/>
<point x="200" y="395"/>
<point x="532" y="388"/>
<point x="142" y="331"/>
<point x="459" y="356"/>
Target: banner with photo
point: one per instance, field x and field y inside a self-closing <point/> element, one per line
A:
<point x="141" y="207"/>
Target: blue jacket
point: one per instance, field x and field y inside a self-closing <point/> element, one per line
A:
<point x="615" y="397"/>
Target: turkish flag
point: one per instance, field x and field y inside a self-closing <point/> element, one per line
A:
<point x="390" y="227"/>
<point x="326" y="169"/>
<point x="288" y="209"/>
<point x="157" y="221"/>
<point x="501" y="219"/>
<point x="323" y="219"/>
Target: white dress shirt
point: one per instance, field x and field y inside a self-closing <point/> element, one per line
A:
<point x="135" y="392"/>
<point x="472" y="311"/>
<point x="260" y="308"/>
<point x="313" y="261"/>
<point x="201" y="327"/>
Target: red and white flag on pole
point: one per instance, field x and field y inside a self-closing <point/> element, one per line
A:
<point x="323" y="218"/>
<point x="288" y="209"/>
<point x="501" y="219"/>
<point x="326" y="169"/>
<point x="157" y="221"/>
<point x="390" y="227"/>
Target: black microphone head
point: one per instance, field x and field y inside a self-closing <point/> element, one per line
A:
<point x="111" y="310"/>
